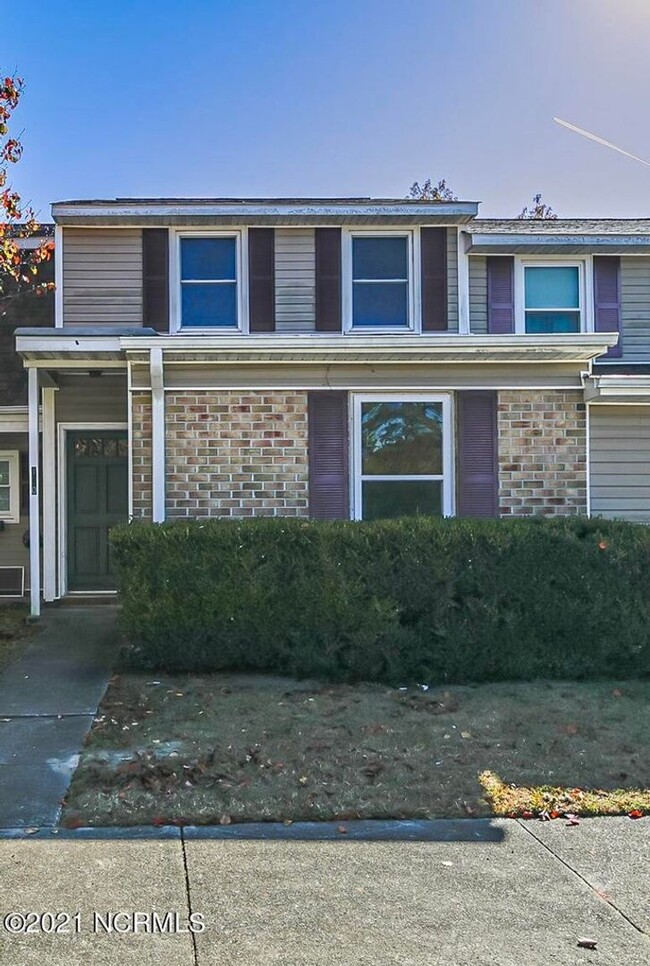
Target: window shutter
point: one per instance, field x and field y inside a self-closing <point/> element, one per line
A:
<point x="261" y="279"/>
<point x="433" y="259"/>
<point x="501" y="294"/>
<point x="328" y="456"/>
<point x="155" y="281"/>
<point x="478" y="467"/>
<point x="328" y="279"/>
<point x="607" y="299"/>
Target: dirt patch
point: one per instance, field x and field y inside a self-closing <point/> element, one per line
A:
<point x="14" y="633"/>
<point x="220" y="748"/>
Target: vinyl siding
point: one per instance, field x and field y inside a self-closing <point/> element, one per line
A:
<point x="357" y="376"/>
<point x="13" y="552"/>
<point x="102" y="276"/>
<point x="81" y="399"/>
<point x="478" y="295"/>
<point x="295" y="280"/>
<point x="619" y="454"/>
<point x="635" y="308"/>
<point x="452" y="279"/>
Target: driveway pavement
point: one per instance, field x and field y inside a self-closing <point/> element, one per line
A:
<point x="48" y="699"/>
<point x="460" y="894"/>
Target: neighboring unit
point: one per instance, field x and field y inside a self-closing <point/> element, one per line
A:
<point x="333" y="359"/>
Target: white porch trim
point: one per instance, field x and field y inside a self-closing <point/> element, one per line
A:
<point x="49" y="494"/>
<point x="34" y="502"/>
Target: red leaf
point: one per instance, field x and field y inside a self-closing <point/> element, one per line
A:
<point x="636" y="813"/>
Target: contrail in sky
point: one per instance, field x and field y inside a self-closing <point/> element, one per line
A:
<point x="599" y="140"/>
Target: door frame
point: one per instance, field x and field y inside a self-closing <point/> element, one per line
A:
<point x="62" y="486"/>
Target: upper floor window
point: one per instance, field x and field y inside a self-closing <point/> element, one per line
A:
<point x="209" y="284"/>
<point x="9" y="487"/>
<point x="379" y="283"/>
<point x="552" y="298"/>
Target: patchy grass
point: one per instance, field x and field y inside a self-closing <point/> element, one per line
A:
<point x="221" y="748"/>
<point x="549" y="801"/>
<point x="14" y="632"/>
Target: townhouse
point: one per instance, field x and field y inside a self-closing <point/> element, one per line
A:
<point x="325" y="358"/>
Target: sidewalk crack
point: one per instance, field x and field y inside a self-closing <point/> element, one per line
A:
<point x="578" y="875"/>
<point x="189" y="897"/>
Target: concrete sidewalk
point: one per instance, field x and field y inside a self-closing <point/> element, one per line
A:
<point x="48" y="699"/>
<point x="475" y="893"/>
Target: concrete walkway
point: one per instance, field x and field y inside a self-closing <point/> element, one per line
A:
<point x="474" y="893"/>
<point x="48" y="698"/>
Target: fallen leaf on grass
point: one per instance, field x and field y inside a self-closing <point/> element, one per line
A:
<point x="225" y="819"/>
<point x="617" y="693"/>
<point x="587" y="943"/>
<point x="571" y="729"/>
<point x="466" y="734"/>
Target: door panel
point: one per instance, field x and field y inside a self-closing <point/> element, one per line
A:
<point x="97" y="475"/>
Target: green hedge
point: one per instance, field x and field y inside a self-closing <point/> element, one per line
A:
<point x="412" y="600"/>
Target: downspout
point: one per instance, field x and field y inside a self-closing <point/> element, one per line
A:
<point x="157" y="436"/>
<point x="34" y="500"/>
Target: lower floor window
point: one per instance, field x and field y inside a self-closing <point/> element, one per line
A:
<point x="402" y="456"/>
<point x="9" y="487"/>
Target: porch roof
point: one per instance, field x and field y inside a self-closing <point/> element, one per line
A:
<point x="70" y="346"/>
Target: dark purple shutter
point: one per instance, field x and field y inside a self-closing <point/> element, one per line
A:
<point x="478" y="467"/>
<point x="328" y="279"/>
<point x="155" y="278"/>
<point x="433" y="258"/>
<point x="607" y="299"/>
<point x="328" y="456"/>
<point x="501" y="294"/>
<point x="261" y="279"/>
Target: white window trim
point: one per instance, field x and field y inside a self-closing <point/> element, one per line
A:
<point x="414" y="291"/>
<point x="12" y="515"/>
<point x="585" y="290"/>
<point x="447" y="476"/>
<point x="240" y="234"/>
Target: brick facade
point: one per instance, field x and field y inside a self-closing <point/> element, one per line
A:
<point x="236" y="454"/>
<point x="542" y="453"/>
<point x="141" y="455"/>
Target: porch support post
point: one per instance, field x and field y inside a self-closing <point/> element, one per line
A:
<point x="463" y="285"/>
<point x="49" y="495"/>
<point x="34" y="508"/>
<point x="157" y="436"/>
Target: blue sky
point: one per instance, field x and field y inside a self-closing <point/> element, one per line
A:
<point x="344" y="97"/>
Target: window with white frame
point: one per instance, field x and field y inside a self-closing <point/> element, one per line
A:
<point x="402" y="459"/>
<point x="9" y="487"/>
<point x="552" y="298"/>
<point x="209" y="286"/>
<point x="380" y="283"/>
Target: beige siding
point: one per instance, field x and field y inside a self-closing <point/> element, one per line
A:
<point x="635" y="307"/>
<point x="295" y="280"/>
<point x="620" y="462"/>
<point x="452" y="279"/>
<point x="82" y="399"/>
<point x="13" y="552"/>
<point x="478" y="294"/>
<point x="102" y="276"/>
<point x="387" y="376"/>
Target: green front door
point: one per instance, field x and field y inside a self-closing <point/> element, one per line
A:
<point x="97" y="478"/>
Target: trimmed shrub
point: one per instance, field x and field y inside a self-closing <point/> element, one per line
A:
<point x="410" y="600"/>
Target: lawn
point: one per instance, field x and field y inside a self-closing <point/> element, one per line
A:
<point x="232" y="748"/>
<point x="14" y="632"/>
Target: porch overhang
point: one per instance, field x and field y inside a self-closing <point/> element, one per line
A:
<point x="64" y="348"/>
<point x="310" y="349"/>
<point x="618" y="389"/>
